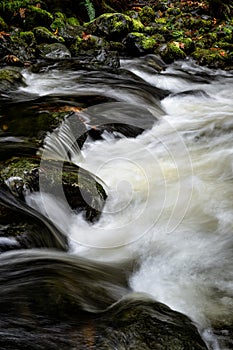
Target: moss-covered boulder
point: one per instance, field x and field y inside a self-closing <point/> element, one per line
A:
<point x="113" y="26"/>
<point x="171" y="51"/>
<point x="25" y="14"/>
<point x="53" y="51"/>
<point x="87" y="45"/>
<point x="213" y="57"/>
<point x="35" y="16"/>
<point x="10" y="79"/>
<point x="43" y="35"/>
<point x="82" y="190"/>
<point x="20" y="44"/>
<point x="139" y="43"/>
<point x="147" y="15"/>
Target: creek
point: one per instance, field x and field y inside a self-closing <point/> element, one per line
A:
<point x="169" y="210"/>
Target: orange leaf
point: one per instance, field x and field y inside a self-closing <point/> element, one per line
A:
<point x="222" y="53"/>
<point x="85" y="36"/>
<point x="56" y="32"/>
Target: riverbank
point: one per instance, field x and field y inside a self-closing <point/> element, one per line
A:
<point x="31" y="30"/>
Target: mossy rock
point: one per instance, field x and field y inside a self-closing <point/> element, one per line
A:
<point x="73" y="21"/>
<point x="57" y="24"/>
<point x="36" y="16"/>
<point x="113" y="26"/>
<point x="82" y="190"/>
<point x="21" y="45"/>
<point x="139" y="43"/>
<point x="28" y="37"/>
<point x="10" y="79"/>
<point x="213" y="58"/>
<point x="147" y="15"/>
<point x="70" y="33"/>
<point x="88" y="45"/>
<point x="43" y="35"/>
<point x="171" y="52"/>
<point x="53" y="51"/>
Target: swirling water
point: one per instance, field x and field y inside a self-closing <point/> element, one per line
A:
<point x="170" y="190"/>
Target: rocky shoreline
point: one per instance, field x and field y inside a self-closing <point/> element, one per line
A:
<point x="173" y="30"/>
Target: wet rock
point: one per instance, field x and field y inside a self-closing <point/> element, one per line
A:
<point x="147" y="15"/>
<point x="36" y="16"/>
<point x="21" y="227"/>
<point x="213" y="58"/>
<point x="139" y="44"/>
<point x="10" y="79"/>
<point x="70" y="33"/>
<point x="53" y="51"/>
<point x="82" y="190"/>
<point x="113" y="26"/>
<point x="88" y="45"/>
<point x="171" y="51"/>
<point x="43" y="35"/>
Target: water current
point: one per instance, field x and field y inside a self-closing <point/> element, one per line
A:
<point x="170" y="189"/>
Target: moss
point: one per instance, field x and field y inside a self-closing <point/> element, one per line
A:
<point x="10" y="79"/>
<point x="137" y="25"/>
<point x="139" y="43"/>
<point x="161" y="20"/>
<point x="114" y="26"/>
<point x="60" y="15"/>
<point x="88" y="46"/>
<point x="214" y="57"/>
<point x="73" y="21"/>
<point x="3" y="25"/>
<point x="57" y="24"/>
<point x="28" y="37"/>
<point x="147" y="15"/>
<point x="174" y="11"/>
<point x="36" y="16"/>
<point x="188" y="45"/>
<point x="43" y="35"/>
<point x="171" y="52"/>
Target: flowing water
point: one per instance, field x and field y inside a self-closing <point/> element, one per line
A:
<point x="170" y="189"/>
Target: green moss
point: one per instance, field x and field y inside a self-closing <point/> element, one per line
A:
<point x="162" y="20"/>
<point x="43" y="35"/>
<point x="73" y="21"/>
<point x="60" y="15"/>
<point x="114" y="26"/>
<point x="171" y="52"/>
<point x="3" y="25"/>
<point x="57" y="24"/>
<point x="36" y="16"/>
<point x="147" y="15"/>
<point x="28" y="37"/>
<point x="174" y="11"/>
<point x="137" y="25"/>
<point x="214" y="57"/>
<point x="10" y="79"/>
